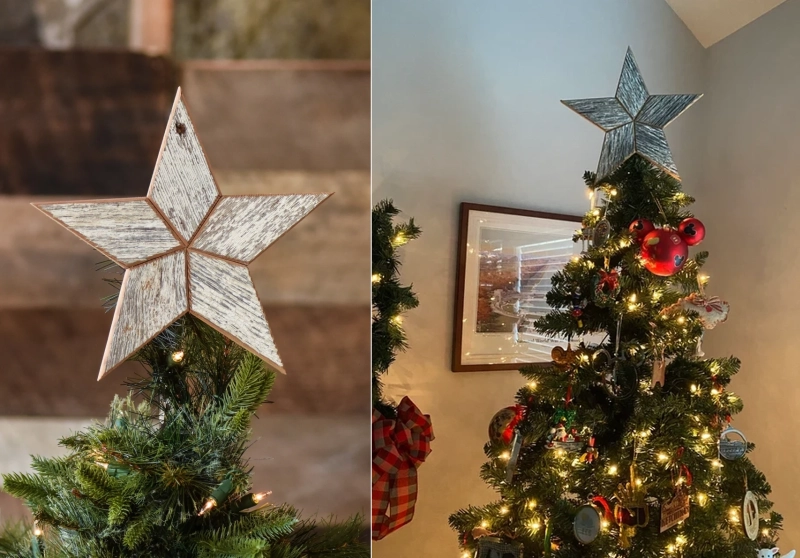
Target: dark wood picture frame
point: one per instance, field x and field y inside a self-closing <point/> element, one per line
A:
<point x="458" y="313"/>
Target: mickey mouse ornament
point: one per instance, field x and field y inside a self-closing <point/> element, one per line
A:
<point x="664" y="251"/>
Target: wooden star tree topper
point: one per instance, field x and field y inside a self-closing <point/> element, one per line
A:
<point x="185" y="248"/>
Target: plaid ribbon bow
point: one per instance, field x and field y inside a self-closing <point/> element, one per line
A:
<point x="399" y="446"/>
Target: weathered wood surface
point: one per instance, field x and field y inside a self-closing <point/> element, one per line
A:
<point x="81" y="122"/>
<point x="323" y="261"/>
<point x="182" y="185"/>
<point x="153" y="295"/>
<point x="242" y="227"/>
<point x="128" y="232"/>
<point x="319" y="463"/>
<point x="286" y="116"/>
<point x="49" y="358"/>
<point x="223" y="295"/>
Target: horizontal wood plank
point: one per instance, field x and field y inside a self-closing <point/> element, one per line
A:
<point x="50" y="359"/>
<point x="286" y="117"/>
<point x="324" y="260"/>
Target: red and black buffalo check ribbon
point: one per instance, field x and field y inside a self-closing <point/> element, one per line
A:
<point x="398" y="447"/>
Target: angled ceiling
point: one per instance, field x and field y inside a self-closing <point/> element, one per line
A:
<point x="713" y="20"/>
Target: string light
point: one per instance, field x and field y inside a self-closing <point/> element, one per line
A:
<point x="733" y="515"/>
<point x="397" y="319"/>
<point x="765" y="532"/>
<point x="702" y="498"/>
<point x="376" y="277"/>
<point x="714" y="391"/>
<point x="37" y="531"/>
<point x="680" y="540"/>
<point x="532" y="384"/>
<point x="663" y="457"/>
<point x="535" y="525"/>
<point x="575" y="259"/>
<point x="596" y="212"/>
<point x="399" y="239"/>
<point x="503" y="510"/>
<point x="531" y="504"/>
<point x="485" y="524"/>
<point x="612" y="470"/>
<point x="705" y="435"/>
<point x="632" y="297"/>
<point x="703" y="278"/>
<point x="716" y="463"/>
<point x="604" y="524"/>
<point x="681" y="320"/>
<point x="612" y="192"/>
<point x="693" y="388"/>
<point x="177" y="356"/>
<point x="505" y="456"/>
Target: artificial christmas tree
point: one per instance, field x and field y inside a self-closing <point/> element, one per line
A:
<point x="624" y="448"/>
<point x="165" y="475"/>
<point x="401" y="434"/>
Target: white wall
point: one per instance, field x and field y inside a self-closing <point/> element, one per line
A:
<point x="466" y="108"/>
<point x="749" y="203"/>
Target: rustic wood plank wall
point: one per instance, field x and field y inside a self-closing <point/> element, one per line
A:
<point x="78" y="125"/>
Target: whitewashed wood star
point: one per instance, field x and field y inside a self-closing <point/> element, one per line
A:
<point x="185" y="248"/>
<point x="633" y="121"/>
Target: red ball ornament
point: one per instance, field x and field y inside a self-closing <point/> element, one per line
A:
<point x="692" y="230"/>
<point x="664" y="252"/>
<point x="641" y="228"/>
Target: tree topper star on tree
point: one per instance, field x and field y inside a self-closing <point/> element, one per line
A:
<point x="185" y="248"/>
<point x="633" y="120"/>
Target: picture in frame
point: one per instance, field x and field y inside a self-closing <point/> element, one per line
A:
<point x="506" y="257"/>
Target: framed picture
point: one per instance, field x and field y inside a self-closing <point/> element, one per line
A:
<point x="506" y="258"/>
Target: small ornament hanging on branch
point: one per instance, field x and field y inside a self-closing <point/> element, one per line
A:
<point x="631" y="510"/>
<point x="677" y="508"/>
<point x="732" y="444"/>
<point x="774" y="552"/>
<point x="589" y="519"/>
<point x="504" y="422"/>
<point x="607" y="288"/>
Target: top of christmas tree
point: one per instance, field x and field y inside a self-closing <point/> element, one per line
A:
<point x="624" y="445"/>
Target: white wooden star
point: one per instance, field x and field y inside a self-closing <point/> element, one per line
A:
<point x="185" y="248"/>
<point x="633" y="121"/>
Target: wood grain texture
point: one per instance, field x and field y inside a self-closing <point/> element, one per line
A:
<point x="242" y="227"/>
<point x="50" y="357"/>
<point x="128" y="232"/>
<point x="182" y="186"/>
<point x="286" y="116"/>
<point x="81" y="122"/>
<point x="224" y="296"/>
<point x="153" y="295"/>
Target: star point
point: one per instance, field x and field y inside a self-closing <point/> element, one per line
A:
<point x="185" y="248"/>
<point x="633" y="121"/>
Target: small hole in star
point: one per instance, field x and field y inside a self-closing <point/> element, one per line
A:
<point x="180" y="128"/>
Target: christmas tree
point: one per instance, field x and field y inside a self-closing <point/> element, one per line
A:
<point x="165" y="474"/>
<point x="624" y="447"/>
<point x="390" y="298"/>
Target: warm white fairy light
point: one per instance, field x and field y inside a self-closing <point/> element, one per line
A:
<point x="705" y="435"/>
<point x="505" y="456"/>
<point x="376" y="277"/>
<point x="632" y="298"/>
<point x="534" y="525"/>
<point x="663" y="457"/>
<point x="765" y="532"/>
<point x="397" y="319"/>
<point x="208" y="506"/>
<point x="670" y="549"/>
<point x="612" y="192"/>
<point x="733" y="515"/>
<point x="37" y="531"/>
<point x="485" y="524"/>
<point x="716" y="463"/>
<point x="399" y="239"/>
<point x="604" y="524"/>
<point x="596" y="212"/>
<point x="531" y="504"/>
<point x="681" y="320"/>
<point x="575" y="259"/>
<point x="503" y="510"/>
<point x="532" y="384"/>
<point x="612" y="470"/>
<point x="693" y="388"/>
<point x="702" y="498"/>
<point x="177" y="356"/>
<point x="260" y="496"/>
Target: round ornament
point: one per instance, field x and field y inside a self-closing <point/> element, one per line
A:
<point x="641" y="228"/>
<point x="501" y="428"/>
<point x="750" y="516"/>
<point x="692" y="230"/>
<point x="732" y="444"/>
<point x="602" y="230"/>
<point x="664" y="252"/>
<point x="587" y="524"/>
